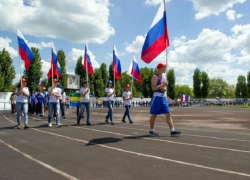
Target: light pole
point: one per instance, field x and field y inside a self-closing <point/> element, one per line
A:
<point x="201" y="85"/>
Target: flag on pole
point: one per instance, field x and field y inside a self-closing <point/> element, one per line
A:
<point x="87" y="64"/>
<point x="41" y="84"/>
<point x="134" y="70"/>
<point x="54" y="64"/>
<point x="116" y="65"/>
<point x="24" y="51"/>
<point x="157" y="38"/>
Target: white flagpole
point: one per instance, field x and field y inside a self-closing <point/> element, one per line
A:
<point x="132" y="86"/>
<point x="87" y="69"/>
<point x="166" y="57"/>
<point x="114" y="68"/>
<point x="51" y="67"/>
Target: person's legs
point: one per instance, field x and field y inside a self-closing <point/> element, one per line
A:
<point x="108" y="115"/>
<point x="57" y="110"/>
<point x="80" y="113"/>
<point x="152" y="121"/>
<point x="87" y="110"/>
<point x="125" y="114"/>
<point x="18" y="112"/>
<point x="169" y="121"/>
<point x="62" y="109"/>
<point x="25" y="112"/>
<point x="50" y="111"/>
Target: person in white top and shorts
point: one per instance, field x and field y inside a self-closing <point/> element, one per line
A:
<point x="127" y="97"/>
<point x="84" y="91"/>
<point x="22" y="95"/>
<point x="110" y="92"/>
<point x="54" y="96"/>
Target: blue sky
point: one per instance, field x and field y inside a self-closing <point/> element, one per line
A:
<point x="213" y="35"/>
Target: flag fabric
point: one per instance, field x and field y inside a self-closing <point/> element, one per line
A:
<point x="87" y="64"/>
<point x="24" y="51"/>
<point x="134" y="70"/>
<point x="157" y="38"/>
<point x="54" y="64"/>
<point x="41" y="83"/>
<point x="75" y="100"/>
<point x="116" y="65"/>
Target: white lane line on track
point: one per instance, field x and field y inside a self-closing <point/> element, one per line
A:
<point x="224" y="132"/>
<point x="160" y="140"/>
<point x="40" y="162"/>
<point x="211" y="137"/>
<point x="145" y="155"/>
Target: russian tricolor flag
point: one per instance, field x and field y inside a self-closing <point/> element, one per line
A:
<point x="87" y="65"/>
<point x="24" y="51"/>
<point x="134" y="70"/>
<point x="41" y="83"/>
<point x="54" y="64"/>
<point x="116" y="65"/>
<point x="157" y="38"/>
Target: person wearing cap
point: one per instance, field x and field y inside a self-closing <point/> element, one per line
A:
<point x="22" y="95"/>
<point x="110" y="92"/>
<point x="159" y="104"/>
<point x="85" y="103"/>
<point x="54" y="95"/>
<point x="127" y="97"/>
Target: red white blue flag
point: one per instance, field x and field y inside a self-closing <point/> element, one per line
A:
<point x="134" y="70"/>
<point x="157" y="38"/>
<point x="41" y="84"/>
<point x="116" y="65"/>
<point x="24" y="51"/>
<point x="87" y="64"/>
<point x="54" y="64"/>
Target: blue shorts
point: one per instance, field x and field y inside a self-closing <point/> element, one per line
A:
<point x="159" y="105"/>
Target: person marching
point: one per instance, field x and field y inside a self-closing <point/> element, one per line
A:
<point x="22" y="95"/>
<point x="127" y="97"/>
<point x="84" y="91"/>
<point x="39" y="103"/>
<point x="54" y="96"/>
<point x="110" y="92"/>
<point x="159" y="104"/>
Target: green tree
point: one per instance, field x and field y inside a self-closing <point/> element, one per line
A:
<point x="241" y="87"/>
<point x="79" y="69"/>
<point x="248" y="83"/>
<point x="99" y="85"/>
<point x="7" y="71"/>
<point x="197" y="83"/>
<point x="34" y="73"/>
<point x="183" y="89"/>
<point x="205" y="84"/>
<point x="171" y="84"/>
<point x="145" y="86"/>
<point x="62" y="61"/>
<point x="220" y="88"/>
<point x="105" y="75"/>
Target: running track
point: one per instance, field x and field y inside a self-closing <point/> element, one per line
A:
<point x="215" y="145"/>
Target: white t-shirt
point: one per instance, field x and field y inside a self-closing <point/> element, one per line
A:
<point x="21" y="97"/>
<point x="110" y="91"/>
<point x="54" y="98"/>
<point x="126" y="95"/>
<point x="86" y="97"/>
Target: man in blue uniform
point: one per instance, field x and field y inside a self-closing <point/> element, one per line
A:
<point x="159" y="104"/>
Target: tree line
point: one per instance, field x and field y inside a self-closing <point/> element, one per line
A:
<point x="203" y="86"/>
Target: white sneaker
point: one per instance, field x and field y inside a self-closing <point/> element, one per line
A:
<point x="59" y="124"/>
<point x="50" y="125"/>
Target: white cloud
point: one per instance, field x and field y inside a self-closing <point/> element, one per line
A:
<point x="231" y="15"/>
<point x="81" y="21"/>
<point x="45" y="68"/>
<point x="40" y="45"/>
<point x="73" y="57"/>
<point x="5" y="43"/>
<point x="205" y="8"/>
<point x="154" y="2"/>
<point x="136" y="45"/>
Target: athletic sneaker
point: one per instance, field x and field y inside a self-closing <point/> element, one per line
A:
<point x="26" y="126"/>
<point x="153" y="133"/>
<point x="59" y="124"/>
<point x="131" y="122"/>
<point x="89" y="124"/>
<point x="107" y="121"/>
<point x="112" y="123"/>
<point x="50" y="125"/>
<point x="176" y="133"/>
<point x="123" y="121"/>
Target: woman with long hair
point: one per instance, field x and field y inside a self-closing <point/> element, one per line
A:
<point x="22" y="95"/>
<point x="110" y="92"/>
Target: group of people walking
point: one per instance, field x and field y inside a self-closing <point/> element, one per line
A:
<point x="159" y="104"/>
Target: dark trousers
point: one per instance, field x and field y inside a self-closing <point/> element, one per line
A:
<point x="38" y="109"/>
<point x="62" y="108"/>
<point x="127" y="107"/>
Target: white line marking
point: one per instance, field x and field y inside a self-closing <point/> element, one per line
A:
<point x="40" y="162"/>
<point x="146" y="155"/>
